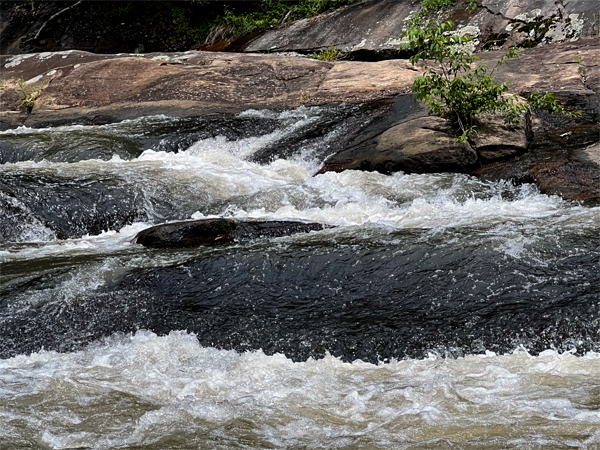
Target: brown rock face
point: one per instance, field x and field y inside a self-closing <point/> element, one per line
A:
<point x="407" y="139"/>
<point x="573" y="180"/>
<point x="81" y="86"/>
<point x="495" y="140"/>
<point x="420" y="144"/>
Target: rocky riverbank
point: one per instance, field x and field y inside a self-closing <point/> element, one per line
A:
<point x="559" y="54"/>
<point x="396" y="134"/>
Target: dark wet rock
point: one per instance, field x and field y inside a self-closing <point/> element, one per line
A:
<point x="67" y="206"/>
<point x="496" y="140"/>
<point x="217" y="232"/>
<point x="564" y="156"/>
<point x="572" y="179"/>
<point x="188" y="234"/>
<point x="407" y="139"/>
<point x="9" y="153"/>
<point x="573" y="173"/>
<point x="333" y="131"/>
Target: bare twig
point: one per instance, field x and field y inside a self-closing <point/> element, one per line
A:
<point x="53" y="16"/>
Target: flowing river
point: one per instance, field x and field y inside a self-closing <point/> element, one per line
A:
<point x="437" y="312"/>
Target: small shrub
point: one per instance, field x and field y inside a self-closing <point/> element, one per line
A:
<point x="28" y="95"/>
<point x="331" y="53"/>
<point x="270" y="13"/>
<point x="458" y="90"/>
<point x="548" y="103"/>
<point x="431" y="6"/>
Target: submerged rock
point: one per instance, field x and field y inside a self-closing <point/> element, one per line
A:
<point x="218" y="231"/>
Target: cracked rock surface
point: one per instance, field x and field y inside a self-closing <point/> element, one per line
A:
<point x="371" y="30"/>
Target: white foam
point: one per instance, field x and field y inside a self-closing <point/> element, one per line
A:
<point x="215" y="170"/>
<point x="105" y="243"/>
<point x="114" y="128"/>
<point x="172" y="388"/>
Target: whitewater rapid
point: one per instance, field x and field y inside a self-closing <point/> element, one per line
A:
<point x="169" y="392"/>
<point x="440" y="311"/>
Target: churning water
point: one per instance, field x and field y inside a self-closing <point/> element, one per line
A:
<point x="439" y="312"/>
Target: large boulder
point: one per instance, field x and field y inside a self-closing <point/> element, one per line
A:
<point x="218" y="232"/>
<point x="82" y="87"/>
<point x="408" y="139"/>
<point x="371" y="30"/>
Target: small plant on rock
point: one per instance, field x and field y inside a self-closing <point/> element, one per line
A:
<point x="458" y="91"/>
<point x="431" y="6"/>
<point x="547" y="102"/>
<point x="28" y="95"/>
<point x="331" y="53"/>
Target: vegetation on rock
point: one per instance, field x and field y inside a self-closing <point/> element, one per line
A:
<point x="269" y="13"/>
<point x="331" y="53"/>
<point x="28" y="95"/>
<point x="128" y="26"/>
<point x="430" y="6"/>
<point x="460" y="90"/>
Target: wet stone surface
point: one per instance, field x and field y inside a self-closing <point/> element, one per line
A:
<point x="218" y="232"/>
<point x="368" y="301"/>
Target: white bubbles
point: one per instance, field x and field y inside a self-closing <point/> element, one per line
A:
<point x="216" y="177"/>
<point x="171" y="387"/>
<point x="104" y="243"/>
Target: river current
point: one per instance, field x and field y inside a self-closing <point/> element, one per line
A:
<point x="438" y="311"/>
